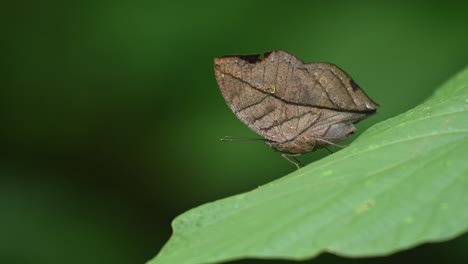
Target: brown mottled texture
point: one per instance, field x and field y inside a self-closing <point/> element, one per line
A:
<point x="296" y="107"/>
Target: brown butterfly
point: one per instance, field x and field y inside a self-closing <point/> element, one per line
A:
<point x="296" y="107"/>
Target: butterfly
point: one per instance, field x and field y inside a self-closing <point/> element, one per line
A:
<point x="296" y="107"/>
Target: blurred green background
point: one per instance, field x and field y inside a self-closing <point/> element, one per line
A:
<point x="111" y="117"/>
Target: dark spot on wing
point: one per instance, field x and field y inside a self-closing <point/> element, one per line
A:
<point x="250" y="58"/>
<point x="354" y="85"/>
<point x="265" y="55"/>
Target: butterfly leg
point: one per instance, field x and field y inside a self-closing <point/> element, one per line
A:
<point x="329" y="150"/>
<point x="322" y="139"/>
<point x="292" y="159"/>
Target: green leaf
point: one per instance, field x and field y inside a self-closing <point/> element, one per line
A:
<point x="402" y="183"/>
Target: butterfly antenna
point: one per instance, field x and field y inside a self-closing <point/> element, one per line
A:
<point x="292" y="159"/>
<point x="229" y="138"/>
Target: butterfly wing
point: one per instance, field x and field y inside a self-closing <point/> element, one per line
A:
<point x="287" y="102"/>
